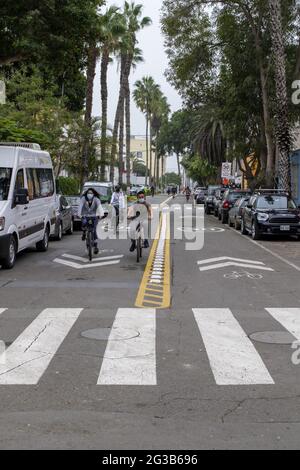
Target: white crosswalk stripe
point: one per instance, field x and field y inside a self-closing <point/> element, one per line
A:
<point x="130" y="356"/>
<point x="233" y="358"/>
<point x="29" y="356"/>
<point x="289" y="319"/>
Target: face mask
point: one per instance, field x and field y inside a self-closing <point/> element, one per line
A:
<point x="141" y="201"/>
<point x="90" y="196"/>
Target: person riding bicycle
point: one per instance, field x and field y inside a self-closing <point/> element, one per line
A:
<point x="174" y="191"/>
<point x="117" y="202"/>
<point x="188" y="193"/>
<point x="91" y="207"/>
<point x="139" y="213"/>
<point x="168" y="191"/>
<point x="152" y="189"/>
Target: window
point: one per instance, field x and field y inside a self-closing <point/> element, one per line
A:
<point x="5" y="177"/>
<point x="20" y="183"/>
<point x="30" y="184"/>
<point x="275" y="202"/>
<point x="46" y="182"/>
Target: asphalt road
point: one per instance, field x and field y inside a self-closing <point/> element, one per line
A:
<point x="198" y="378"/>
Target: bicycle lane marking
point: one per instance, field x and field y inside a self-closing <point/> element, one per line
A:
<point x="289" y="263"/>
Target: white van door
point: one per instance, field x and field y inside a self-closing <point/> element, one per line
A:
<point x="21" y="214"/>
<point x="36" y="209"/>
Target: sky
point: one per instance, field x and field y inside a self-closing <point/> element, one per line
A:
<point x="155" y="63"/>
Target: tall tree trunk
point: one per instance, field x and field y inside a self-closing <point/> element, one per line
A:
<point x="147" y="149"/>
<point x="104" y="99"/>
<point x="127" y="117"/>
<point x="120" y="109"/>
<point x="283" y="133"/>
<point x="178" y="164"/>
<point x="150" y="154"/>
<point x="91" y="72"/>
<point x="121" y="143"/>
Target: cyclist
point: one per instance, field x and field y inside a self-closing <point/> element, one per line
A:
<point x="117" y="202"/>
<point x="90" y="206"/>
<point x="140" y="213"/>
<point x="174" y="191"/>
<point x="168" y="191"/>
<point x="188" y="193"/>
<point x="152" y="189"/>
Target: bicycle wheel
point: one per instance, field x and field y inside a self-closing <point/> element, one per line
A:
<point x="89" y="245"/>
<point x="138" y="249"/>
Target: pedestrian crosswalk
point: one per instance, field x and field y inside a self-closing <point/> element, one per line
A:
<point x="130" y="356"/>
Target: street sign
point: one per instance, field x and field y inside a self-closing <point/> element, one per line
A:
<point x="226" y="169"/>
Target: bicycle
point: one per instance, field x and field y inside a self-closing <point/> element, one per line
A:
<point x="239" y="275"/>
<point x="90" y="239"/>
<point x="138" y="240"/>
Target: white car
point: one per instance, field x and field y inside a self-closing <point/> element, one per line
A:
<point x="27" y="200"/>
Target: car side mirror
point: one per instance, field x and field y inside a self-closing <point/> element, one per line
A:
<point x="22" y="197"/>
<point x="249" y="206"/>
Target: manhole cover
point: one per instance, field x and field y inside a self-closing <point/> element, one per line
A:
<point x="273" y="337"/>
<point x="102" y="334"/>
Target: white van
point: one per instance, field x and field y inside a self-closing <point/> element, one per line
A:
<point x="27" y="200"/>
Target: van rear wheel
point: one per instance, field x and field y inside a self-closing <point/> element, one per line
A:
<point x="44" y="244"/>
<point x="9" y="261"/>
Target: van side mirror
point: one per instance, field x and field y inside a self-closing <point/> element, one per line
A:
<point x="22" y="197"/>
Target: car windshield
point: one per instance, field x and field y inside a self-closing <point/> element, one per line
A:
<point x="102" y="190"/>
<point x="275" y="202"/>
<point x="73" y="199"/>
<point x="235" y="196"/>
<point x="5" y="177"/>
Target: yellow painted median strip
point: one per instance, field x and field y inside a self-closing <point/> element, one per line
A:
<point x="157" y="276"/>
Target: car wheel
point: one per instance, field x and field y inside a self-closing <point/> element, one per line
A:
<point x="43" y="245"/>
<point x="230" y="222"/>
<point x="223" y="218"/>
<point x="219" y="216"/>
<point x="243" y="228"/>
<point x="236" y="225"/>
<point x="59" y="233"/>
<point x="9" y="261"/>
<point x="254" y="231"/>
<point x="207" y="211"/>
<point x="71" y="229"/>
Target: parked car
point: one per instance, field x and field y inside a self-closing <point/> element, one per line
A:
<point x="236" y="212"/>
<point x="135" y="189"/>
<point x="271" y="212"/>
<point x="74" y="202"/>
<point x="217" y="202"/>
<point x="201" y="196"/>
<point x="228" y="200"/>
<point x="199" y="190"/>
<point x="64" y="218"/>
<point x="104" y="190"/>
<point x="27" y="200"/>
<point x="209" y="205"/>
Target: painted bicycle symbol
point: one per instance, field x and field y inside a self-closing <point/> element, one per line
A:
<point x="240" y="275"/>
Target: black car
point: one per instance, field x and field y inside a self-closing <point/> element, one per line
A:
<point x="201" y="196"/>
<point x="236" y="212"/>
<point x="209" y="204"/>
<point x="64" y="218"/>
<point x="217" y="201"/>
<point x="271" y="213"/>
<point x="230" y="196"/>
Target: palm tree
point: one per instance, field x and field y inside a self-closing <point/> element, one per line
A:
<point x="134" y="23"/>
<point x="92" y="55"/>
<point x="283" y="133"/>
<point x="112" y="27"/>
<point x="160" y="113"/>
<point x="144" y="93"/>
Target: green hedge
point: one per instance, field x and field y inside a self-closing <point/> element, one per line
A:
<point x="67" y="186"/>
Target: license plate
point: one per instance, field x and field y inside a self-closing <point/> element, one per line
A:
<point x="285" y="228"/>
